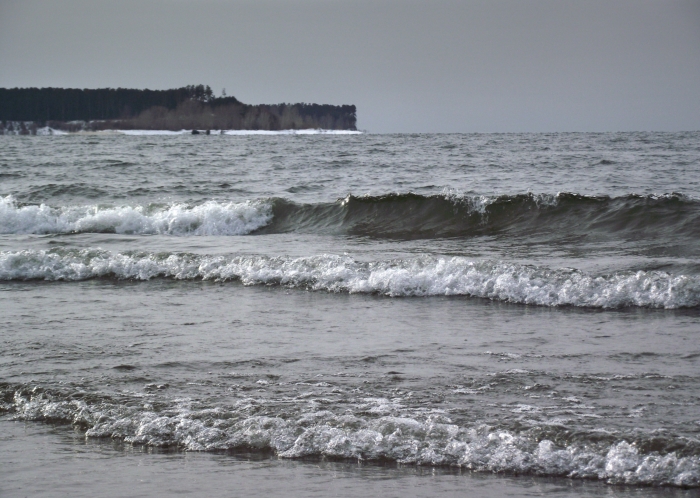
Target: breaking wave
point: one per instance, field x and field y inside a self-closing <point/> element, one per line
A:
<point x="417" y="276"/>
<point x="394" y="215"/>
<point x="209" y="218"/>
<point x="369" y="429"/>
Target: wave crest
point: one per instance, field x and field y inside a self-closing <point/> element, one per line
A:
<point x="394" y="215"/>
<point x="373" y="429"/>
<point x="209" y="218"/>
<point x="412" y="216"/>
<point x="419" y="276"/>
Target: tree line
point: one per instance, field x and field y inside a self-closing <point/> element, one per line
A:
<point x="189" y="107"/>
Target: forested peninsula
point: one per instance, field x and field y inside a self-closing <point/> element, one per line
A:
<point x="28" y="111"/>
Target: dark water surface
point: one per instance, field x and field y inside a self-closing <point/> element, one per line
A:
<point x="469" y="315"/>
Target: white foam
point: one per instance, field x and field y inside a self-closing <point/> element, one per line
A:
<point x="419" y="276"/>
<point x="475" y="203"/>
<point x="293" y="132"/>
<point x="148" y="132"/>
<point x="239" y="132"/>
<point x="46" y="130"/>
<point x="210" y="218"/>
<point x="431" y="439"/>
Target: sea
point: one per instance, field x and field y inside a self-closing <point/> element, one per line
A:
<point x="350" y="314"/>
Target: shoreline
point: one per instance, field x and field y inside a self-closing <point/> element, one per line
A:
<point x="48" y="131"/>
<point x="154" y="471"/>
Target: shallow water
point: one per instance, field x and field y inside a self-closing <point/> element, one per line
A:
<point x="439" y="308"/>
<point x="31" y="452"/>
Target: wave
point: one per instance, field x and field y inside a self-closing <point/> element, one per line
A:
<point x="394" y="215"/>
<point x="417" y="216"/>
<point x="209" y="218"/>
<point x="417" y="276"/>
<point x="370" y="429"/>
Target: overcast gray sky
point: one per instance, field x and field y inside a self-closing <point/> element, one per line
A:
<point x="409" y="65"/>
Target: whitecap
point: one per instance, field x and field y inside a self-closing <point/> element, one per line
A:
<point x="378" y="435"/>
<point x="209" y="218"/>
<point x="411" y="277"/>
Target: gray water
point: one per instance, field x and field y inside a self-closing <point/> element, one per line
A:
<point x="470" y="315"/>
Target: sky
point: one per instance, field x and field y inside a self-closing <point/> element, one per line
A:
<point x="408" y="65"/>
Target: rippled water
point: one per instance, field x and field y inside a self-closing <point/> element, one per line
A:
<point x="518" y="305"/>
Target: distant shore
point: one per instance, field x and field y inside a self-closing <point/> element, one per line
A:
<point x="30" y="129"/>
<point x="32" y="111"/>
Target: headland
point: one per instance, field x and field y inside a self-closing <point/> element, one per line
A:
<point x="28" y="111"/>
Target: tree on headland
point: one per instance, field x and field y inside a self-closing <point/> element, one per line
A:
<point x="200" y="92"/>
